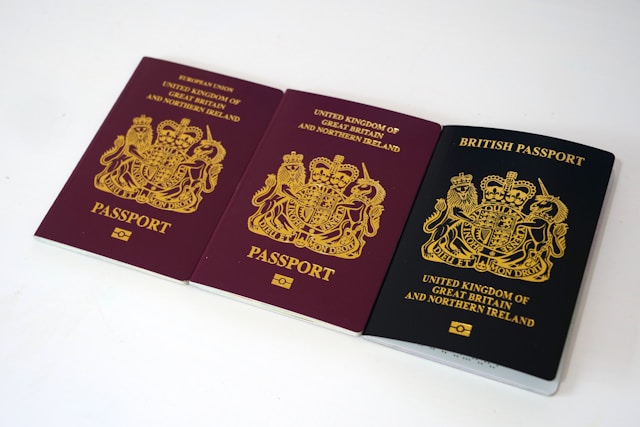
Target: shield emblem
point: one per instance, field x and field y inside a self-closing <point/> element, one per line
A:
<point x="161" y="166"/>
<point x="494" y="226"/>
<point x="318" y="206"/>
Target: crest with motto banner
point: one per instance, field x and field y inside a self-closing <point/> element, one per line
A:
<point x="511" y="232"/>
<point x="170" y="170"/>
<point x="330" y="212"/>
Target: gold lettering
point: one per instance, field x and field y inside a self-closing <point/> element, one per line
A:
<point x="209" y="103"/>
<point x="316" y="270"/>
<point x="175" y="86"/>
<point x="291" y="263"/>
<point x="365" y="123"/>
<point x="416" y="296"/>
<point x="490" y="144"/>
<point x="185" y="105"/>
<point x="333" y="124"/>
<point x="307" y="126"/>
<point x="254" y="250"/>
<point x="505" y="315"/>
<point x="180" y="95"/>
<point x="97" y="206"/>
<point x="216" y="86"/>
<point x="549" y="153"/>
<point x="210" y="95"/>
<point x="339" y="134"/>
<point x="445" y="281"/>
<point x="143" y="221"/>
<point x="455" y="303"/>
<point x="328" y="114"/>
<point x="219" y="114"/>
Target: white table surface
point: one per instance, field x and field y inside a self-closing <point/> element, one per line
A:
<point x="86" y="342"/>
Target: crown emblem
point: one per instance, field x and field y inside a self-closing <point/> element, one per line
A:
<point x="292" y="158"/>
<point x="332" y="172"/>
<point x="507" y="191"/>
<point x="461" y="179"/>
<point x="180" y="135"/>
<point x="142" y="121"/>
<point x="331" y="212"/>
<point x="497" y="235"/>
<point x="170" y="172"/>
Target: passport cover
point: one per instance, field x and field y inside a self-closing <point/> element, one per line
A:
<point x="316" y="217"/>
<point x="491" y="260"/>
<point x="157" y="176"/>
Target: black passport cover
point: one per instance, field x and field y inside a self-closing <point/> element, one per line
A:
<point x="495" y="275"/>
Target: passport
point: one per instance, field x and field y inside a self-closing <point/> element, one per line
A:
<point x="317" y="215"/>
<point x="464" y="245"/>
<point x="488" y="269"/>
<point x="157" y="176"/>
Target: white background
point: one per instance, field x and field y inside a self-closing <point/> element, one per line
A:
<point x="86" y="342"/>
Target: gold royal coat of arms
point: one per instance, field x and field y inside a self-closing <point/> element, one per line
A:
<point x="170" y="172"/>
<point x="331" y="212"/>
<point x="497" y="235"/>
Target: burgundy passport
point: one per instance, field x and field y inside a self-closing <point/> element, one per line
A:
<point x="316" y="217"/>
<point x="157" y="176"/>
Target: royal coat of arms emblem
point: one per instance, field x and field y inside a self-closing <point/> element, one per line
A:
<point x="331" y="212"/>
<point x="497" y="235"/>
<point x="170" y="172"/>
